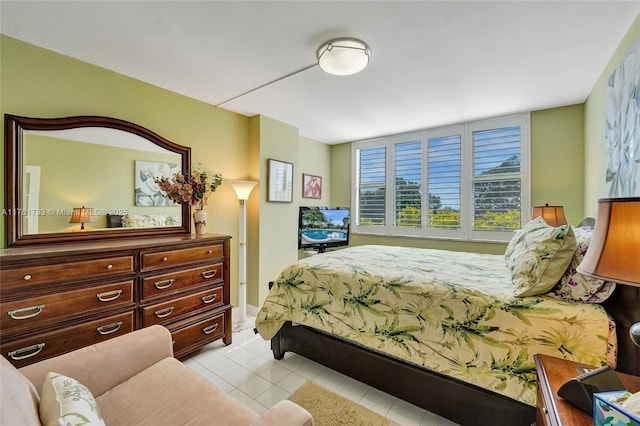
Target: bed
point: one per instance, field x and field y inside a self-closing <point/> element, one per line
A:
<point x="452" y="332"/>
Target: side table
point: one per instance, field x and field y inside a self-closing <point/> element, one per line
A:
<point x="553" y="410"/>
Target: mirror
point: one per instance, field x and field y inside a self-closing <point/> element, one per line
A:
<point x="88" y="178"/>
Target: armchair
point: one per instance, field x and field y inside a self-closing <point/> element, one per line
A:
<point x="135" y="380"/>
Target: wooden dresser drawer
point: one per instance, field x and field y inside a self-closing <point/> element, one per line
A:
<point x="33" y="349"/>
<point x="160" y="285"/>
<point x="164" y="259"/>
<point x="67" y="304"/>
<point x="162" y="313"/>
<point x="543" y="414"/>
<point x="205" y="329"/>
<point x="65" y="271"/>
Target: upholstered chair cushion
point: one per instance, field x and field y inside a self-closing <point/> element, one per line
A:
<point x="155" y="396"/>
<point x="19" y="397"/>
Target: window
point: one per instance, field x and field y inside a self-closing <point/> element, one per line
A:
<point x="372" y="186"/>
<point x="467" y="182"/>
<point x="407" y="184"/>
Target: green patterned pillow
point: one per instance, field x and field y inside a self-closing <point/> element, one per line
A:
<point x="538" y="255"/>
<point x="67" y="402"/>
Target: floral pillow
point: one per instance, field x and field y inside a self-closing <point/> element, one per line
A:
<point x="538" y="256"/>
<point x="576" y="287"/>
<point x="67" y="402"/>
<point x="144" y="220"/>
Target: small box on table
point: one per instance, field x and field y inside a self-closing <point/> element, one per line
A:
<point x="608" y="411"/>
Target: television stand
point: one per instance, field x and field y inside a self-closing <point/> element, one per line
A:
<point x="312" y="252"/>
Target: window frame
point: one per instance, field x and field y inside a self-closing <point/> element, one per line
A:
<point x="465" y="130"/>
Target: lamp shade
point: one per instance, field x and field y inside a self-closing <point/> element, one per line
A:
<point x="613" y="251"/>
<point x="343" y="56"/>
<point x="552" y="215"/>
<point x="242" y="187"/>
<point x="82" y="215"/>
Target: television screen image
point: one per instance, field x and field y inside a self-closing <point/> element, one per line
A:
<point x="323" y="227"/>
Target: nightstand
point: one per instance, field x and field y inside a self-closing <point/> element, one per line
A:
<point x="552" y="410"/>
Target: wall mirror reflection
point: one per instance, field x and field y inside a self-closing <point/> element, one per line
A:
<point x="83" y="178"/>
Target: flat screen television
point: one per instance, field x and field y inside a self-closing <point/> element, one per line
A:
<point x="320" y="228"/>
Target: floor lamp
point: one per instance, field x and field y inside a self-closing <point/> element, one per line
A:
<point x="243" y="189"/>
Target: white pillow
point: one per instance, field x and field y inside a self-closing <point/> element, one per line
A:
<point x="67" y="402"/>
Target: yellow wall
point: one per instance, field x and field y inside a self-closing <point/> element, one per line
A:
<point x="595" y="116"/>
<point x="557" y="159"/>
<point x="37" y="82"/>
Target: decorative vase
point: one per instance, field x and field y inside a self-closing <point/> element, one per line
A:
<point x="200" y="221"/>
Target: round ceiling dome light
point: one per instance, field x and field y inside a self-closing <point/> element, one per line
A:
<point x="343" y="56"/>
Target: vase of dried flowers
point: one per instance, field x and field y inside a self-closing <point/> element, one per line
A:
<point x="193" y="189"/>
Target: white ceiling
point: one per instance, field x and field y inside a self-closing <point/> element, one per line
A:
<point x="432" y="62"/>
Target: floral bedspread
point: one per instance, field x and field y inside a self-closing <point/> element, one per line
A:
<point x="452" y="312"/>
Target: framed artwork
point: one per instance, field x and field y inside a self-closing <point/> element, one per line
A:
<point x="311" y="186"/>
<point x="280" y="181"/>
<point x="147" y="192"/>
<point x="623" y="127"/>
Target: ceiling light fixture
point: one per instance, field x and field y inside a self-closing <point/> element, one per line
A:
<point x="343" y="56"/>
<point x="340" y="56"/>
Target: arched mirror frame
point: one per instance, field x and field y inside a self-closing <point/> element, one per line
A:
<point x="14" y="185"/>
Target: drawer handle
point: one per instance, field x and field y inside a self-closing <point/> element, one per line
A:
<point x="161" y="285"/>
<point x="108" y="296"/>
<point x="109" y="328"/>
<point x="210" y="329"/>
<point x="164" y="259"/>
<point x="163" y="313"/>
<point x="209" y="251"/>
<point x="27" y="277"/>
<point x="109" y="266"/>
<point x="15" y="314"/>
<point x="32" y="350"/>
<point x="209" y="274"/>
<point x="210" y="298"/>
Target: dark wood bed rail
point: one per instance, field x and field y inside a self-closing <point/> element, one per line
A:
<point x="453" y="399"/>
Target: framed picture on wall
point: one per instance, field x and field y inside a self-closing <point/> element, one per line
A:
<point x="279" y="181"/>
<point x="311" y="186"/>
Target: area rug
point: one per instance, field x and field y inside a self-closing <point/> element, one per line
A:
<point x="330" y="409"/>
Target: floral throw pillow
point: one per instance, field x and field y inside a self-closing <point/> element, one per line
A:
<point x="67" y="402"/>
<point x="574" y="286"/>
<point x="538" y="255"/>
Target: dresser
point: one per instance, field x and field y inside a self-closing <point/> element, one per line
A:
<point x="60" y="297"/>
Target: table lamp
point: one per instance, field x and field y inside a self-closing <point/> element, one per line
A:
<point x="552" y="215"/>
<point x="82" y="215"/>
<point x="613" y="251"/>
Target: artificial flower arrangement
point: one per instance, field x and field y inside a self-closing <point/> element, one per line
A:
<point x="193" y="189"/>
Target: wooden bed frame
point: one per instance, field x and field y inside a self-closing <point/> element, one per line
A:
<point x="451" y="398"/>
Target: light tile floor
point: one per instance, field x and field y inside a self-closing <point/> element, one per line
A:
<point x="247" y="370"/>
